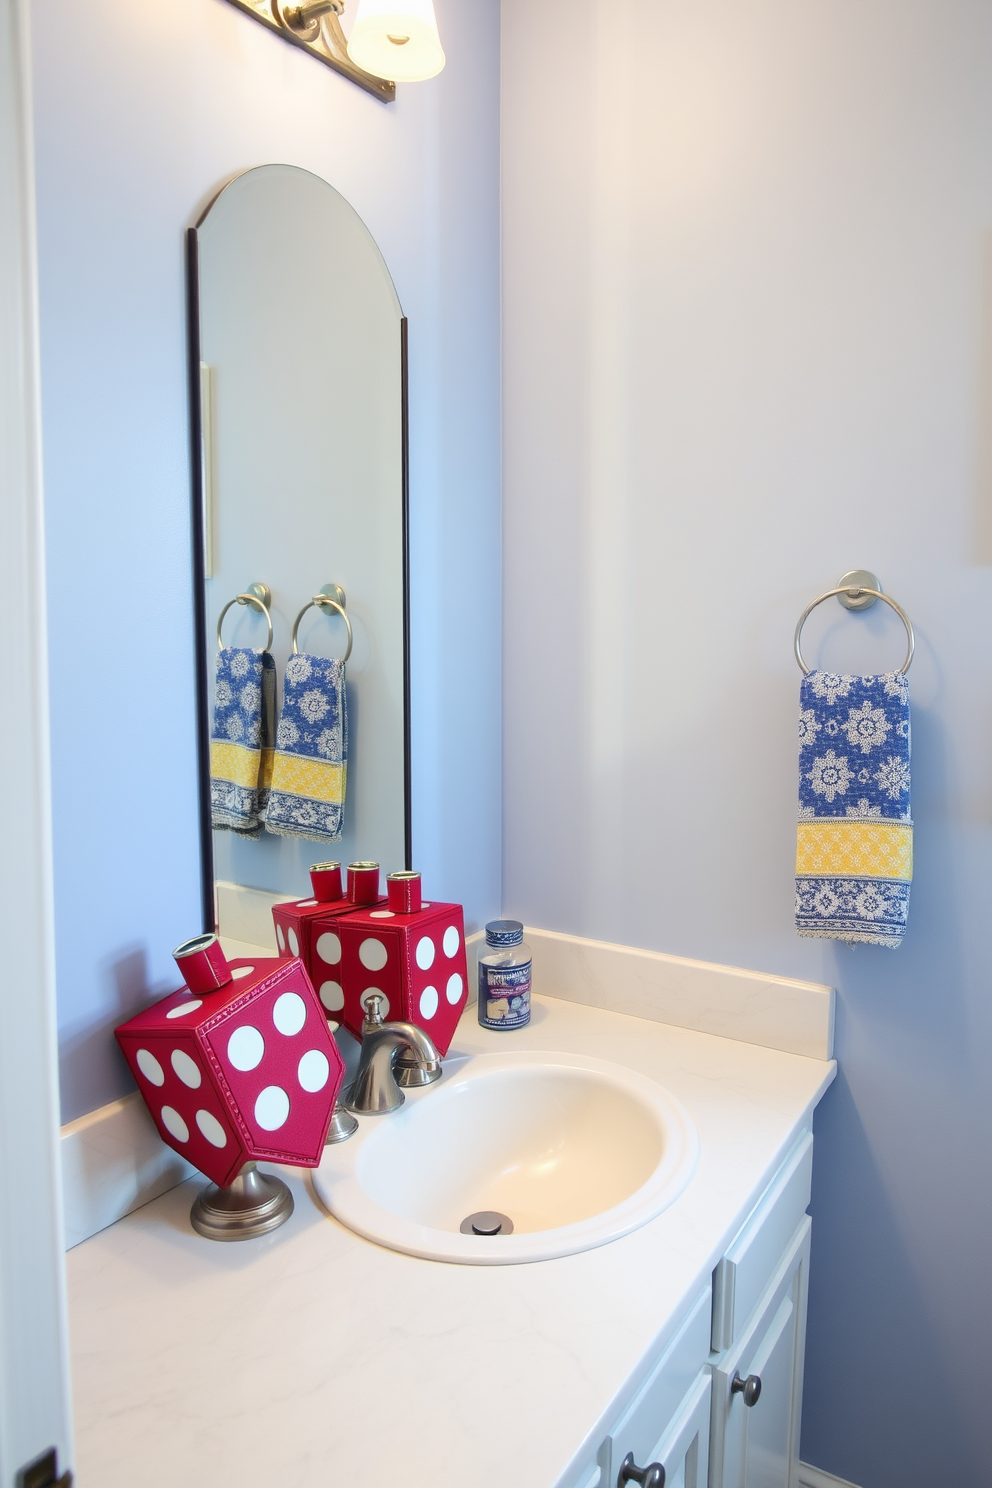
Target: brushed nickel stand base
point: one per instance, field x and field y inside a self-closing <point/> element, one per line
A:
<point x="253" y="1204"/>
<point x="343" y="1125"/>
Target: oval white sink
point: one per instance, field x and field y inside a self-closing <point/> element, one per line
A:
<point x="575" y="1150"/>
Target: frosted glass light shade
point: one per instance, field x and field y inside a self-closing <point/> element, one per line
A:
<point x="396" y="39"/>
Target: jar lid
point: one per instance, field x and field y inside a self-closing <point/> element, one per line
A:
<point x="504" y="932"/>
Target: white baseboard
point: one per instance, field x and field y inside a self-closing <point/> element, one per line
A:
<point x="815" y="1477"/>
<point x="113" y="1161"/>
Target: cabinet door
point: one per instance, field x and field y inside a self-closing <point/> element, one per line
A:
<point x="684" y="1451"/>
<point x="757" y="1446"/>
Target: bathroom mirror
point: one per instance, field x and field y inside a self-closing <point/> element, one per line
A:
<point x="298" y="393"/>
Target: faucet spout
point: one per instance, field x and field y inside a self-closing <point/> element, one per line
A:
<point x="375" y="1090"/>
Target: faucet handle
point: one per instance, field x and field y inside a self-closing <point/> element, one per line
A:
<point x="373" y="1013"/>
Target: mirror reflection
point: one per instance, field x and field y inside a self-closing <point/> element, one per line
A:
<point x="299" y="398"/>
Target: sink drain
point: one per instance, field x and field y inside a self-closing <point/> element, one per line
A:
<point x="486" y="1222"/>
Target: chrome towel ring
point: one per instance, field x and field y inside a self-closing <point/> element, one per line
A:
<point x="259" y="597"/>
<point x="858" y="590"/>
<point x="331" y="597"/>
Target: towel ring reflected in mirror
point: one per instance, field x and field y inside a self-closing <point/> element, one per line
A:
<point x="326" y="601"/>
<point x="857" y="596"/>
<point x="259" y="598"/>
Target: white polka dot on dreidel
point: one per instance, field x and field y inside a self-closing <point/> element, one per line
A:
<point x="185" y="1007"/>
<point x="289" y="1013"/>
<point x="332" y="996"/>
<point x="452" y="940"/>
<point x="150" y="1067"/>
<point x="425" y="953"/>
<point x="313" y="1070"/>
<point x="174" y="1124"/>
<point x="272" y="1108"/>
<point x="211" y="1129"/>
<point x="428" y="1002"/>
<point x="187" y="1069"/>
<point x="245" y="1048"/>
<point x="280" y="937"/>
<point x="453" y="990"/>
<point x="372" y="954"/>
<point x="294" y="944"/>
<point x="329" y="948"/>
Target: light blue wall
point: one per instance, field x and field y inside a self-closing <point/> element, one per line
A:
<point x="748" y="345"/>
<point x="142" y="111"/>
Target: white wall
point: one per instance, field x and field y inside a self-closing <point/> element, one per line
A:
<point x="748" y="345"/>
<point x="143" y="110"/>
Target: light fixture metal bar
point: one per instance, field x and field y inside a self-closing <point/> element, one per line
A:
<point x="269" y="14"/>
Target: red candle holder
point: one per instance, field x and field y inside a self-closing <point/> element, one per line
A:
<point x="202" y="964"/>
<point x="363" y="883"/>
<point x="325" y="880"/>
<point x="404" y="892"/>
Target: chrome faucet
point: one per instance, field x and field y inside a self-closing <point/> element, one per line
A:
<point x="374" y="1090"/>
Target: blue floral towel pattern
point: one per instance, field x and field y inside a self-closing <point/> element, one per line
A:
<point x="854" y="856"/>
<point x="309" y="774"/>
<point x="241" y="740"/>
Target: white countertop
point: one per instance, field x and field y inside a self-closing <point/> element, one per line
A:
<point x="312" y="1357"/>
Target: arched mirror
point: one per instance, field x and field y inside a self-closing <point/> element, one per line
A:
<point x="298" y="358"/>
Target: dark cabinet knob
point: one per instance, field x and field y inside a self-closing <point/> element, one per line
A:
<point x="750" y="1388"/>
<point x="652" y="1476"/>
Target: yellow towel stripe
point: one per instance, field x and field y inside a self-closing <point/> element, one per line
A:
<point x="855" y="849"/>
<point x="235" y="763"/>
<point x="318" y="780"/>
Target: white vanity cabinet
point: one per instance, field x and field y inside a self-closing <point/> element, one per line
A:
<point x="700" y="1413"/>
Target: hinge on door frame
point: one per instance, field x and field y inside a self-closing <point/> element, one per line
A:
<point x="43" y="1472"/>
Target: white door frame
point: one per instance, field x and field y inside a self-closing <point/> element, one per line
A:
<point x="34" y="1375"/>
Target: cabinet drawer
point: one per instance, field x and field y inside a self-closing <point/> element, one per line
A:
<point x="746" y="1269"/>
<point x="648" y="1419"/>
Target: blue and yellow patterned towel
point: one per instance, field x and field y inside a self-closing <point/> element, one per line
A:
<point x="241" y="739"/>
<point x="310" y="769"/>
<point x="854" y="860"/>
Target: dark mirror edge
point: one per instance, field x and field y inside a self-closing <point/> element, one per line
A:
<point x="197" y="569"/>
<point x="407" y="747"/>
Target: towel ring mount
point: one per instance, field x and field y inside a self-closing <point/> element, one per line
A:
<point x="258" y="597"/>
<point x="331" y="597"/>
<point x="857" y="590"/>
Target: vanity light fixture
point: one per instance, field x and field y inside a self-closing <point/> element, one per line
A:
<point x="392" y="40"/>
<point x="397" y="40"/>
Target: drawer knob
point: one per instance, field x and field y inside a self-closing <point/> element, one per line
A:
<point x="652" y="1476"/>
<point x="750" y="1388"/>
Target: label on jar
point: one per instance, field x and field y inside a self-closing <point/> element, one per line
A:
<point x="504" y="995"/>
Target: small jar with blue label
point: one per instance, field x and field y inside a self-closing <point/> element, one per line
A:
<point x="504" y="976"/>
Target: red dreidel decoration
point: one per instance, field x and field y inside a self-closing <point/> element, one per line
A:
<point x="324" y="943"/>
<point x="412" y="955"/>
<point x="296" y="920"/>
<point x="236" y="1066"/>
